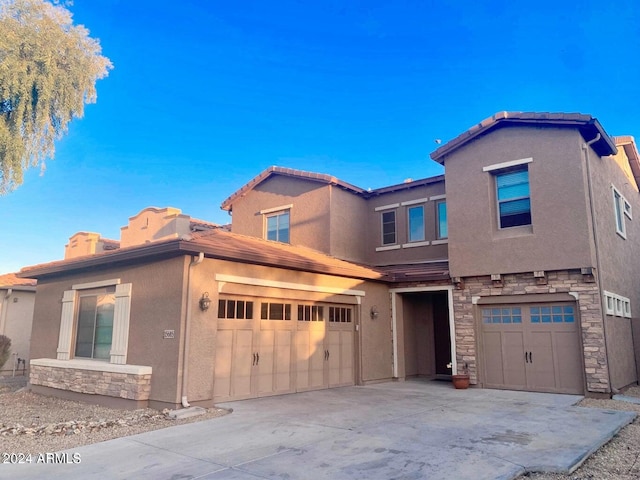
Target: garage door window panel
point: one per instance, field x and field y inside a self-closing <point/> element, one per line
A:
<point x="275" y="311"/>
<point x="502" y="315"/>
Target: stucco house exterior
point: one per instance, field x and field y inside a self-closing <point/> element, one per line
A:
<point x="17" y="298"/>
<point x="517" y="263"/>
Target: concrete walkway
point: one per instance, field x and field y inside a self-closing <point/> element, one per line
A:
<point x="403" y="430"/>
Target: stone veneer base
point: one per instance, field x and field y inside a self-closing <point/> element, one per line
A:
<point x="129" y="382"/>
<point x="573" y="282"/>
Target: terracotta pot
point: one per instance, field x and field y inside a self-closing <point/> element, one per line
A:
<point x="460" y="381"/>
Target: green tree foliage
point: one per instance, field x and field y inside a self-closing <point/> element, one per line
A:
<point x="5" y="349"/>
<point x="48" y="71"/>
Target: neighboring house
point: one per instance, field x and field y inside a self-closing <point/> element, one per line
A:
<point x="518" y="262"/>
<point x="17" y="297"/>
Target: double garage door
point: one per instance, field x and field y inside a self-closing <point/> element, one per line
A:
<point x="274" y="347"/>
<point x="533" y="347"/>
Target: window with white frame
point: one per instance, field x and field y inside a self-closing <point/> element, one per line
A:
<point x="621" y="209"/>
<point x="277" y="226"/>
<point x="441" y="211"/>
<point x="617" y="305"/>
<point x="389" y="227"/>
<point x="512" y="193"/>
<point x="416" y="223"/>
<point x="95" y="321"/>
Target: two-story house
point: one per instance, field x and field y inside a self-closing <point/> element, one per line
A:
<point x="542" y="251"/>
<point x="518" y="262"/>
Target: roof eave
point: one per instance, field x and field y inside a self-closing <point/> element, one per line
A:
<point x="588" y="126"/>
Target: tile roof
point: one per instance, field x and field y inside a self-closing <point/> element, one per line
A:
<point x="406" y="185"/>
<point x="215" y="243"/>
<point x="11" y="280"/>
<point x="290" y="172"/>
<point x="323" y="178"/>
<point x="588" y="126"/>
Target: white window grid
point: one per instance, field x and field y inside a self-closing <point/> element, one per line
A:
<point x="617" y="305"/>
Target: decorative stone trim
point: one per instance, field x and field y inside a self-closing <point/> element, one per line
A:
<point x="132" y="382"/>
<point x="564" y="281"/>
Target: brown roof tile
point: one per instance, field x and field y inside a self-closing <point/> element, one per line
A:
<point x="11" y="280"/>
<point x="215" y="243"/>
<point x="588" y="126"/>
<point x="318" y="177"/>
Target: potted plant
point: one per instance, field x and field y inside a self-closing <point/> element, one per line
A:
<point x="461" y="380"/>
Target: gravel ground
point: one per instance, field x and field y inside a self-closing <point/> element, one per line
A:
<point x="31" y="423"/>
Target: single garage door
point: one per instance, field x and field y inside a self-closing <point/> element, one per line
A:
<point x="532" y="347"/>
<point x="272" y="347"/>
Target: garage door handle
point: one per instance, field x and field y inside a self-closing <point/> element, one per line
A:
<point x="257" y="358"/>
<point x="530" y="357"/>
<point x="254" y="359"/>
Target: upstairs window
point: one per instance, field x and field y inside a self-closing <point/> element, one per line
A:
<point x="389" y="227"/>
<point x="441" y="211"/>
<point x="277" y="228"/>
<point x="512" y="192"/>
<point x="416" y="223"/>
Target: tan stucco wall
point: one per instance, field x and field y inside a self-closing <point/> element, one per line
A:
<point x="16" y="315"/>
<point x="618" y="259"/>
<point x="309" y="217"/>
<point x="559" y="235"/>
<point x="348" y="227"/>
<point x="156" y="305"/>
<point x="404" y="254"/>
<point x="153" y="224"/>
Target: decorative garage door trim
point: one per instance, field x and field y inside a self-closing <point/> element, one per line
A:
<point x="260" y="282"/>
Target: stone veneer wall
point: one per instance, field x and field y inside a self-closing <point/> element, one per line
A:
<point x="122" y="385"/>
<point x="566" y="281"/>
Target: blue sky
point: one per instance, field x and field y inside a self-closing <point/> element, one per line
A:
<point x="207" y="94"/>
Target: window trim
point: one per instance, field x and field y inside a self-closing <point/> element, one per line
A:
<point x="120" y="331"/>
<point x="621" y="209"/>
<point x="506" y="165"/>
<point x="617" y="305"/>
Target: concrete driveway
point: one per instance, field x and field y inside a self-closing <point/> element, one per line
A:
<point x="396" y="430"/>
